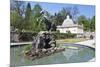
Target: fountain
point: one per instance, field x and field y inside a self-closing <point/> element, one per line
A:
<point x="44" y="43"/>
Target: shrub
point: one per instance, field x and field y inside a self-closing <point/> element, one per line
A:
<point x="64" y="35"/>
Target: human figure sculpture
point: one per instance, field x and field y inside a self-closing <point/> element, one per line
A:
<point x="38" y="43"/>
<point x="46" y="20"/>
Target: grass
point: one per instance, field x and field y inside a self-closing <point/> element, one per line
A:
<point x="71" y="40"/>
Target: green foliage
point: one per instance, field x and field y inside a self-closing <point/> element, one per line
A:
<point x="16" y="19"/>
<point x="58" y="19"/>
<point x="61" y="15"/>
<point x="37" y="19"/>
<point x="25" y="18"/>
<point x="36" y="10"/>
<point x="16" y="14"/>
<point x="92" y="24"/>
<point x="19" y="6"/>
<point x="64" y="35"/>
<point x="28" y="47"/>
<point x="27" y="22"/>
<point x="86" y="22"/>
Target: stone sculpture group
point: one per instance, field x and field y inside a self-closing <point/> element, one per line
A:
<point x="44" y="44"/>
<point x="44" y="40"/>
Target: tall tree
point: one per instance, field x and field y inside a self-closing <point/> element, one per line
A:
<point x="58" y="19"/>
<point x="92" y="24"/>
<point x="61" y="15"/>
<point x="74" y="13"/>
<point x="37" y="24"/>
<point x="28" y="13"/>
<point x="36" y="10"/>
<point x="82" y="20"/>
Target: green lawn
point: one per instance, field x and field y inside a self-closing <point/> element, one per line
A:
<point x="71" y="40"/>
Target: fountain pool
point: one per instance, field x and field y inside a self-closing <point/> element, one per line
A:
<point x="73" y="53"/>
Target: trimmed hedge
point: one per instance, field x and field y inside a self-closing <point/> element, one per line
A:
<point x="27" y="36"/>
<point x="64" y="35"/>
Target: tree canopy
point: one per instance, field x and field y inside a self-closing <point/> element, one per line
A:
<point x="92" y="24"/>
<point x="88" y="24"/>
<point x="25" y="17"/>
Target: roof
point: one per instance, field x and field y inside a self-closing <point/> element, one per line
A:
<point x="68" y="22"/>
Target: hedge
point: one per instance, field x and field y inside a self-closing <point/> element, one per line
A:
<point x="64" y="35"/>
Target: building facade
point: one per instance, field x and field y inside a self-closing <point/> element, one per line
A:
<point x="68" y="25"/>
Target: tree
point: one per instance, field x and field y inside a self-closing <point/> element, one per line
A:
<point x="74" y="13"/>
<point x="16" y="19"/>
<point x="58" y="19"/>
<point x="61" y="15"/>
<point x="17" y="11"/>
<point x="37" y="19"/>
<point x="36" y="10"/>
<point x="41" y="19"/>
<point x="19" y="6"/>
<point x="92" y="24"/>
<point x="27" y="21"/>
<point x="82" y="20"/>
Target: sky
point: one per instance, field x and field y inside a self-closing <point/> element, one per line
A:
<point x="87" y="10"/>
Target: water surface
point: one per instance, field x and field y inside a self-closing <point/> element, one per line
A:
<point x="70" y="55"/>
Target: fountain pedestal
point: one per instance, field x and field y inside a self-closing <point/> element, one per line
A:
<point x="43" y="53"/>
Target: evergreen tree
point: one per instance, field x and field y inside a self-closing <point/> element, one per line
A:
<point x="28" y="13"/>
<point x="36" y="10"/>
<point x="38" y="21"/>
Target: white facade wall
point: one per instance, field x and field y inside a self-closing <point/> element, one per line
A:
<point x="80" y="31"/>
<point x="74" y="30"/>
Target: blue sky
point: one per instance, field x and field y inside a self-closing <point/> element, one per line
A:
<point x="87" y="10"/>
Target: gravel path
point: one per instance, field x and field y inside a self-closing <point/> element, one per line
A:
<point x="90" y="43"/>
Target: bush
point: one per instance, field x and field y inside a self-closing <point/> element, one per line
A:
<point x="27" y="36"/>
<point x="64" y="35"/>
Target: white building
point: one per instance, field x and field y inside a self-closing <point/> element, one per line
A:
<point x="69" y="25"/>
